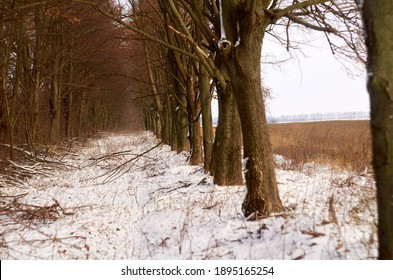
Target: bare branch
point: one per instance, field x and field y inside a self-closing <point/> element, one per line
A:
<point x="298" y="6"/>
<point x="300" y="21"/>
<point x="137" y="30"/>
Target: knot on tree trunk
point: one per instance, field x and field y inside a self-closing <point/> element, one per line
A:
<point x="254" y="208"/>
<point x="225" y="46"/>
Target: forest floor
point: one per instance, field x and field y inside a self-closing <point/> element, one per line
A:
<point x="144" y="203"/>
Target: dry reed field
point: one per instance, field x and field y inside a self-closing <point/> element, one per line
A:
<point x="342" y="144"/>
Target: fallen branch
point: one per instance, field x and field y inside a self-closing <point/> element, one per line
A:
<point x="29" y="169"/>
<point x="312" y="233"/>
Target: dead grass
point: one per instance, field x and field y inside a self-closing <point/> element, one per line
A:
<point x="343" y="144"/>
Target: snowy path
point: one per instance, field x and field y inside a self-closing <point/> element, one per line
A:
<point x="159" y="207"/>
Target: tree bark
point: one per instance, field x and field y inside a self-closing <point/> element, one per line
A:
<point x="226" y="163"/>
<point x="378" y="24"/>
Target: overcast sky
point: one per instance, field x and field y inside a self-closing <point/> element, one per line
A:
<point x="311" y="82"/>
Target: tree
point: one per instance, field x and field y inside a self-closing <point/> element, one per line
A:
<point x="244" y="26"/>
<point x="378" y="23"/>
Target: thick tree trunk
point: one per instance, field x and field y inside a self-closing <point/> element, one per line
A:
<point x="379" y="24"/>
<point x="248" y="25"/>
<point x="226" y="163"/>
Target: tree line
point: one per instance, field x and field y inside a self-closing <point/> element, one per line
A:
<point x="63" y="72"/>
<point x="314" y="117"/>
<point x="197" y="48"/>
<point x="179" y="54"/>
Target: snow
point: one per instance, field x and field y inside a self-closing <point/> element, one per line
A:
<point x="237" y="42"/>
<point x="223" y="38"/>
<point x="157" y="206"/>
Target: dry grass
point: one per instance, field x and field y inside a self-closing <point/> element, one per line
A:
<point x="344" y="144"/>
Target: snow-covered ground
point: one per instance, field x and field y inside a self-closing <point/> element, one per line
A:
<point x="156" y="206"/>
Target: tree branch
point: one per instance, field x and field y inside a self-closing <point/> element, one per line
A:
<point x="203" y="58"/>
<point x="299" y="5"/>
<point x="307" y="24"/>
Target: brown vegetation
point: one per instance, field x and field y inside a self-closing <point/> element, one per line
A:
<point x="344" y="144"/>
<point x="64" y="73"/>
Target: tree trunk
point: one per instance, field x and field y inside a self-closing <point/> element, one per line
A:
<point x="7" y="103"/>
<point x="226" y="164"/>
<point x="246" y="24"/>
<point x="378" y="24"/>
<point x="183" y="143"/>
<point x="174" y="105"/>
<point x="39" y="50"/>
<point x="55" y="101"/>
<point x="168" y="121"/>
<point x="194" y="105"/>
<point x="207" y="119"/>
<point x="157" y="102"/>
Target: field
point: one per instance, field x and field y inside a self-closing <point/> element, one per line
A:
<point x="342" y="144"/>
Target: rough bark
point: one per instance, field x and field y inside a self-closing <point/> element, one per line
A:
<point x="226" y="163"/>
<point x="378" y="24"/>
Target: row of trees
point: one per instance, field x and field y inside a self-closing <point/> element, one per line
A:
<point x="65" y="69"/>
<point x="63" y="72"/>
<point x="207" y="46"/>
<point x="195" y="48"/>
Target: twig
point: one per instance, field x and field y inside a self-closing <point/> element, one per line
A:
<point x="332" y="212"/>
<point x="61" y="208"/>
<point x="13" y="196"/>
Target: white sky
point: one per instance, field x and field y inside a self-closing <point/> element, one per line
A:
<point x="313" y="81"/>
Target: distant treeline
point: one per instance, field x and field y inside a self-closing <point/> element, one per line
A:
<point x="320" y="117"/>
